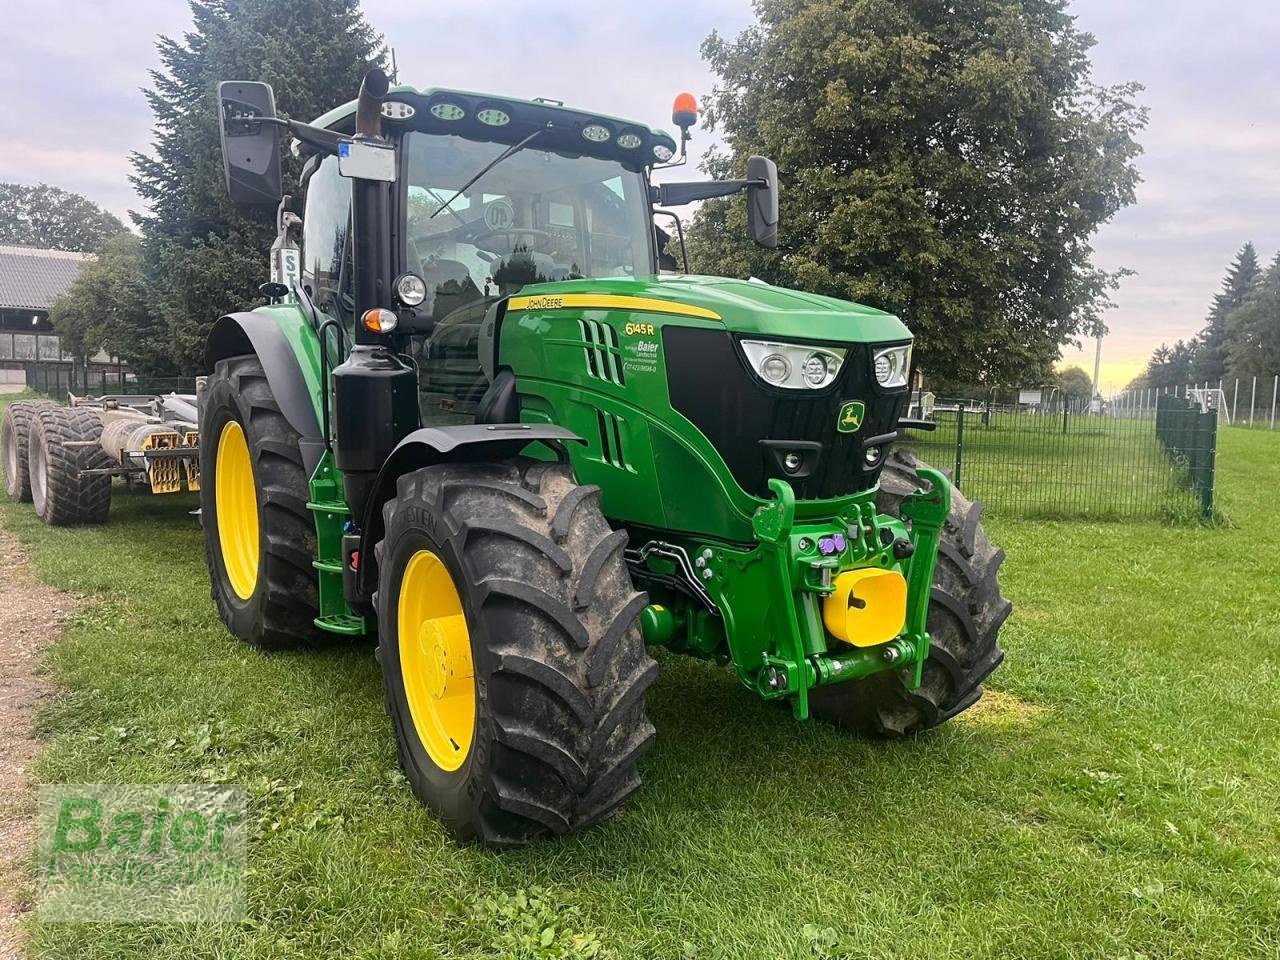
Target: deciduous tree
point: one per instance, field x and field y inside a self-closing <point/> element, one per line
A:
<point x="947" y="162"/>
<point x="50" y="217"/>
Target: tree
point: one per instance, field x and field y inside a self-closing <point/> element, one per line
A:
<point x="108" y="307"/>
<point x="1076" y="384"/>
<point x="946" y="162"/>
<point x="204" y="257"/>
<point x="1169" y="367"/>
<point x="1253" y="329"/>
<point x="1211" y="348"/>
<point x="50" y="217"/>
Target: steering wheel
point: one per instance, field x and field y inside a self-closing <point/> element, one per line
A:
<point x="541" y="238"/>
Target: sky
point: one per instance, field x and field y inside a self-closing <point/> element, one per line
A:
<point x="71" y="81"/>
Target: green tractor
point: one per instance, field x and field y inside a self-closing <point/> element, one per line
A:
<point x="483" y="417"/>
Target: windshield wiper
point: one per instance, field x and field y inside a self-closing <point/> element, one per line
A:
<point x="510" y="151"/>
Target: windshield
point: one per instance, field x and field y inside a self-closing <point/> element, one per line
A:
<point x="536" y="216"/>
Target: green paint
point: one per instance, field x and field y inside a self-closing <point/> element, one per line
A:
<point x="327" y="504"/>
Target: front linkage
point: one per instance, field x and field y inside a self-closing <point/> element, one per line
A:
<point x="862" y="577"/>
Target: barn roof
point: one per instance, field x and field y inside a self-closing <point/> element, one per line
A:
<point x="32" y="278"/>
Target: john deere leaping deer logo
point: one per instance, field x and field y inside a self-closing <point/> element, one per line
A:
<point x="851" y="414"/>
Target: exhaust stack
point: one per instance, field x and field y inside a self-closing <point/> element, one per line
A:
<point x="373" y="88"/>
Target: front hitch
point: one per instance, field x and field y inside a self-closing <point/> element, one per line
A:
<point x="800" y="659"/>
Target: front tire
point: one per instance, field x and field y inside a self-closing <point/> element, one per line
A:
<point x="259" y="537"/>
<point x="966" y="612"/>
<point x="510" y="573"/>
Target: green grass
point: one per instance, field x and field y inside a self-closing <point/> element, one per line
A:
<point x="1024" y="464"/>
<point x="1114" y="796"/>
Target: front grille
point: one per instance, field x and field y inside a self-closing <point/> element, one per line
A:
<point x="710" y="383"/>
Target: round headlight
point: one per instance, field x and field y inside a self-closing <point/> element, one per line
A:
<point x="662" y="153"/>
<point x="411" y="289"/>
<point x="595" y="133"/>
<point x="775" y="367"/>
<point x="815" y="369"/>
<point x="884" y="369"/>
<point x="493" y="117"/>
<point x="629" y="141"/>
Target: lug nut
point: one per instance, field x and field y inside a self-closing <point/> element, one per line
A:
<point x="706" y="573"/>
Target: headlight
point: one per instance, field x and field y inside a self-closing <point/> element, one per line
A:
<point x="892" y="366"/>
<point x="794" y="365"/>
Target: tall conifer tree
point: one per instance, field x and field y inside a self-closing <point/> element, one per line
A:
<point x="205" y="257"/>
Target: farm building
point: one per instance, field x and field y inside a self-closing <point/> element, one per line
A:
<point x="30" y="280"/>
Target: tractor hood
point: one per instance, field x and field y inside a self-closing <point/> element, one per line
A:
<point x="745" y="307"/>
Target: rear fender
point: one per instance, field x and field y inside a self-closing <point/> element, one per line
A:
<point x="432" y="445"/>
<point x="289" y="351"/>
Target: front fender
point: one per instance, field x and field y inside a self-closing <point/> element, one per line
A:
<point x="431" y="445"/>
<point x="289" y="351"/>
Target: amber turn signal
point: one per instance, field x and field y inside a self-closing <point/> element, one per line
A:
<point x="379" y="320"/>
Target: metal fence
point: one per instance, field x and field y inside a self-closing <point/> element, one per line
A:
<point x="59" y="379"/>
<point x="1068" y="464"/>
<point x="1240" y="402"/>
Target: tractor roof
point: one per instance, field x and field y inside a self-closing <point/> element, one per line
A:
<point x="482" y="116"/>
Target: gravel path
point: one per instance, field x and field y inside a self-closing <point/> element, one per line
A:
<point x="32" y="614"/>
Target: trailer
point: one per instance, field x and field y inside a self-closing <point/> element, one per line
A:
<point x="63" y="458"/>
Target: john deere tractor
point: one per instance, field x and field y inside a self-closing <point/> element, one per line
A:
<point x="483" y="418"/>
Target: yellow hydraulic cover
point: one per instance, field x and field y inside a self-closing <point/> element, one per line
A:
<point x="868" y="606"/>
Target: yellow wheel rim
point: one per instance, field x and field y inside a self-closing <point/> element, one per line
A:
<point x="237" y="505"/>
<point x="435" y="660"/>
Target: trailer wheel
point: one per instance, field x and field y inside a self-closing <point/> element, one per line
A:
<point x="259" y="538"/>
<point x="62" y="442"/>
<point x="513" y="662"/>
<point x="966" y="612"/>
<point x="14" y="427"/>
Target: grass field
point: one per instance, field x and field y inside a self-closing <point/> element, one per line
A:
<point x="1115" y="795"/>
<point x="1040" y="466"/>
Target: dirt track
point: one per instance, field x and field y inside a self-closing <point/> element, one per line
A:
<point x="31" y="616"/>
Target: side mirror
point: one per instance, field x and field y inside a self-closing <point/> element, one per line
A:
<point x="762" y="201"/>
<point x="250" y="139"/>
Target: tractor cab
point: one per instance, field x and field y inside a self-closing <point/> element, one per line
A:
<point x="490" y="195"/>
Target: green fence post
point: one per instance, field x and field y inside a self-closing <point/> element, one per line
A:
<point x="1211" y="454"/>
<point x="955" y="476"/>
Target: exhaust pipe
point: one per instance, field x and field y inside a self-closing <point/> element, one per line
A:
<point x="373" y="88"/>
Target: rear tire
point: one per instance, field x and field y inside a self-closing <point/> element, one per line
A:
<point x="273" y="601"/>
<point x="560" y="669"/>
<point x="62" y="442"/>
<point x="14" y="433"/>
<point x="966" y="612"/>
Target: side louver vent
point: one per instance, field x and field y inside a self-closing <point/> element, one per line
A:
<point x="611" y="440"/>
<point x="604" y="357"/>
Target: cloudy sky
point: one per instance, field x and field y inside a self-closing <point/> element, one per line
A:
<point x="71" y="77"/>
